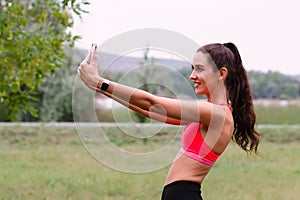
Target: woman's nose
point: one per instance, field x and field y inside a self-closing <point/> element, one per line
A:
<point x="193" y="76"/>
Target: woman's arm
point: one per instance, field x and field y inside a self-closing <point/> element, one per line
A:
<point x="148" y="104"/>
<point x="159" y="108"/>
<point x="155" y="116"/>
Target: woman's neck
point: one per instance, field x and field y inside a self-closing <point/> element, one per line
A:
<point x="218" y="99"/>
<point x="219" y="95"/>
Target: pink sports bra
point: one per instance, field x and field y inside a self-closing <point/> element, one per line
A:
<point x="193" y="145"/>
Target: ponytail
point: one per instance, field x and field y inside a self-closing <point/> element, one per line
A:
<point x="240" y="94"/>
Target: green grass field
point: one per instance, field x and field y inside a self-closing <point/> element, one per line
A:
<point x="52" y="163"/>
<point x="274" y="114"/>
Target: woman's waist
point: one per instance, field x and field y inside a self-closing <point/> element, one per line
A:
<point x="185" y="168"/>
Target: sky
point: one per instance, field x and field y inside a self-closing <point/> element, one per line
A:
<point x="267" y="32"/>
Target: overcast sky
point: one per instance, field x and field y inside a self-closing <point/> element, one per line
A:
<point x="267" y="33"/>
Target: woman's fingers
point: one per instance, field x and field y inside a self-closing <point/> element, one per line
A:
<point x="91" y="55"/>
<point x="94" y="55"/>
<point x="88" y="64"/>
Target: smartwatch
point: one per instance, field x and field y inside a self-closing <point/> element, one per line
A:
<point x="104" y="85"/>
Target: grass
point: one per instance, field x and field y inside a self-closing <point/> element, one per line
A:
<point x="274" y="114"/>
<point x="51" y="163"/>
<point x="273" y="176"/>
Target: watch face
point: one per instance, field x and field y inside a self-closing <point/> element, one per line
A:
<point x="104" y="86"/>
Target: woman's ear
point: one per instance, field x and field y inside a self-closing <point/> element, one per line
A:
<point x="223" y="73"/>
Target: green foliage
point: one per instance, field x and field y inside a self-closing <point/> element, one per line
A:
<point x="55" y="93"/>
<point x="57" y="97"/>
<point x="31" y="41"/>
<point x="274" y="85"/>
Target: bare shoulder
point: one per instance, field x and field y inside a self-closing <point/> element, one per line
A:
<point x="218" y="132"/>
<point x="212" y="115"/>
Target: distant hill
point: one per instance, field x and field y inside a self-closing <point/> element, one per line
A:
<point x="297" y="77"/>
<point x="124" y="64"/>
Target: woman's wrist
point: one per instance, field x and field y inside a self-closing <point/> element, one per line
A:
<point x="93" y="81"/>
<point x="102" y="85"/>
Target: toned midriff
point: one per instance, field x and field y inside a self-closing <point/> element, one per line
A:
<point x="185" y="168"/>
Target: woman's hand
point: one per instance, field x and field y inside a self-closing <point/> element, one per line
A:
<point x="88" y="69"/>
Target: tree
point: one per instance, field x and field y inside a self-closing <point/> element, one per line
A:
<point x="144" y="78"/>
<point x="56" y="102"/>
<point x="32" y="35"/>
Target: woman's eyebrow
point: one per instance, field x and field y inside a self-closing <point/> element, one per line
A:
<point x="199" y="65"/>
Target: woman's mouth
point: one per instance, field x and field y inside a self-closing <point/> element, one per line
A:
<point x="196" y="84"/>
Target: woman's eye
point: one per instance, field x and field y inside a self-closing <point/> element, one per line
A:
<point x="197" y="69"/>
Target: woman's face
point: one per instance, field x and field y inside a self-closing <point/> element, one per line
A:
<point x="205" y="78"/>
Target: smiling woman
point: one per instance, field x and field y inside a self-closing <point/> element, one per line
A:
<point x="218" y="74"/>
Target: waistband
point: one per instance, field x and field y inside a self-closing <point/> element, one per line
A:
<point x="184" y="184"/>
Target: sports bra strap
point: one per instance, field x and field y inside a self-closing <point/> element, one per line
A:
<point x="226" y="104"/>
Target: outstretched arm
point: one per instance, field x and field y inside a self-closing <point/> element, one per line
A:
<point x="159" y="108"/>
<point x="149" y="114"/>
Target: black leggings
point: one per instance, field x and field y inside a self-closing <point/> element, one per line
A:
<point x="182" y="190"/>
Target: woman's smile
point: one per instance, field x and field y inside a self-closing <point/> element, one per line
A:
<point x="197" y="84"/>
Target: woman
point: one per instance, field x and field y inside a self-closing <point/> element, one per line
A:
<point x="217" y="73"/>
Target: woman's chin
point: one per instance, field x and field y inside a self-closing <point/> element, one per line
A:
<point x="199" y="92"/>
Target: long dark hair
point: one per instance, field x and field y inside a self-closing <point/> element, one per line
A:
<point x="240" y="95"/>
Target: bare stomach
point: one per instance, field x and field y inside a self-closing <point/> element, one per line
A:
<point x="185" y="168"/>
